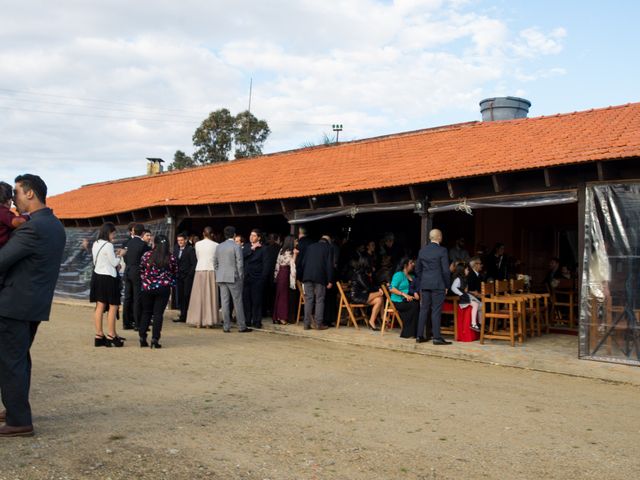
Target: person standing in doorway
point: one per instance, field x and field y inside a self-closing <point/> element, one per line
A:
<point x="317" y="268"/>
<point x="186" y="256"/>
<point x="228" y="265"/>
<point x="29" y="263"/>
<point x="204" y="304"/>
<point x="433" y="275"/>
<point x="255" y="274"/>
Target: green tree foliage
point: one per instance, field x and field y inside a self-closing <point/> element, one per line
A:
<point x="213" y="139"/>
<point x="219" y="133"/>
<point x="181" y="160"/>
<point x="250" y="135"/>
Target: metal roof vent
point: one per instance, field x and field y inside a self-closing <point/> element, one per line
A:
<point x="504" y="108"/>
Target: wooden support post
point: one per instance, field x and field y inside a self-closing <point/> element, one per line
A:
<point x="426" y="224"/>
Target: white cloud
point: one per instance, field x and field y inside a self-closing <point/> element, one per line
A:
<point x="88" y="89"/>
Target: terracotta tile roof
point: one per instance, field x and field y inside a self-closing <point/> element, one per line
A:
<point x="462" y="150"/>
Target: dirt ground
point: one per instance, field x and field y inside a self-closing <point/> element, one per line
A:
<point x="266" y="406"/>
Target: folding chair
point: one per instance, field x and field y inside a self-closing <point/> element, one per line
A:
<point x="350" y="308"/>
<point x="389" y="308"/>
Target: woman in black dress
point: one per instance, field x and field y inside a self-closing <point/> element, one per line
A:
<point x="364" y="291"/>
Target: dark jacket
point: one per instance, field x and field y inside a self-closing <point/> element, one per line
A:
<point x="136" y="247"/>
<point x="361" y="287"/>
<point x="474" y="281"/>
<point x="186" y="263"/>
<point x="317" y="265"/>
<point x="30" y="263"/>
<point x="303" y="244"/>
<point x="496" y="267"/>
<point x="256" y="266"/>
<point x="271" y="257"/>
<point x="432" y="267"/>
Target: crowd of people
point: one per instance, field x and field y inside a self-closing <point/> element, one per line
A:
<point x="215" y="280"/>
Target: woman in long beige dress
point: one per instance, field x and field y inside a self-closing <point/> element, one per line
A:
<point x="204" y="303"/>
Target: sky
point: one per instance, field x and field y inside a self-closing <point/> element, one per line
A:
<point x="89" y="89"/>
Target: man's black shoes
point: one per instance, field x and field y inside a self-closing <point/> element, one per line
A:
<point x="441" y="341"/>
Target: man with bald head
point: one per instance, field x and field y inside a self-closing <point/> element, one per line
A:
<point x="432" y="277"/>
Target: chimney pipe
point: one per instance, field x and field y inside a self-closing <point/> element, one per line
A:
<point x="504" y="108"/>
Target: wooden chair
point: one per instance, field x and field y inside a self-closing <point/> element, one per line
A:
<point x="564" y="297"/>
<point x="351" y="308"/>
<point x="300" y="287"/>
<point x="531" y="308"/>
<point x="502" y="308"/>
<point x="389" y="309"/>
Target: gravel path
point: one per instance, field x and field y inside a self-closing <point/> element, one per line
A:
<point x="264" y="406"/>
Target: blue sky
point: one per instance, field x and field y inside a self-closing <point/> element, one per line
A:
<point x="89" y="89"/>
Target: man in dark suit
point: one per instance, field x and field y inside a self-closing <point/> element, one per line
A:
<point x="475" y="277"/>
<point x="304" y="241"/>
<point x="132" y="308"/>
<point x="29" y="265"/>
<point x="255" y="276"/>
<point x="432" y="273"/>
<point x="317" y="277"/>
<point x="186" y="256"/>
<point x="272" y="248"/>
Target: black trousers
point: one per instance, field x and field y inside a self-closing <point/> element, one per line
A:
<point x="430" y="301"/>
<point x="409" y="313"/>
<point x="252" y="301"/>
<point x="132" y="305"/>
<point x="16" y="337"/>
<point x="184" y="286"/>
<point x="154" y="303"/>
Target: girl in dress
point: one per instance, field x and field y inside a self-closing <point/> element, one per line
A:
<point x="459" y="287"/>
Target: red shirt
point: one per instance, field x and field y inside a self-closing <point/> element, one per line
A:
<point x="8" y="222"/>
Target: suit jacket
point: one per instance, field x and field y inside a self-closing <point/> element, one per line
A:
<point x="136" y="247"/>
<point x="228" y="262"/>
<point x="186" y="263"/>
<point x="432" y="267"/>
<point x="256" y="263"/>
<point x="30" y="263"/>
<point x="303" y="244"/>
<point x="317" y="264"/>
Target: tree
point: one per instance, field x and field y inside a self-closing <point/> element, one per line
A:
<point x="214" y="137"/>
<point x="181" y="160"/>
<point x="250" y="134"/>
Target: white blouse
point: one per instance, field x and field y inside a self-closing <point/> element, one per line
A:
<point x="205" y="251"/>
<point x="104" y="258"/>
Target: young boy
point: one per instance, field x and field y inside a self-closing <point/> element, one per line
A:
<point x="8" y="219"/>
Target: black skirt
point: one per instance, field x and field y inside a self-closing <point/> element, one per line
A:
<point x="104" y="289"/>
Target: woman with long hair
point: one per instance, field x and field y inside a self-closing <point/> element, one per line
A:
<point x="406" y="302"/>
<point x="285" y="278"/>
<point x="158" y="269"/>
<point x="364" y="291"/>
<point x="204" y="304"/>
<point x="105" y="287"/>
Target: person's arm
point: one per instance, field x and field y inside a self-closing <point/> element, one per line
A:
<point x="239" y="261"/>
<point x="22" y="243"/>
<point x="111" y="255"/>
<point x="444" y="267"/>
<point x="455" y="287"/>
<point x="328" y="264"/>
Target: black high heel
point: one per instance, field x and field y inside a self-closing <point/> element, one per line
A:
<point x="155" y="344"/>
<point x="375" y="329"/>
<point x="114" y="341"/>
<point x="100" y="341"/>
